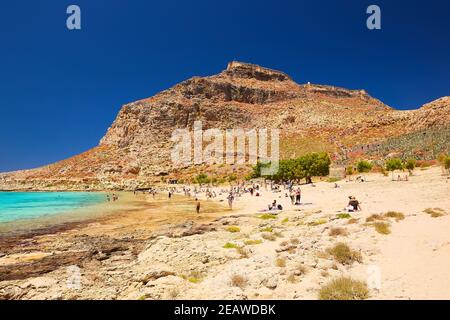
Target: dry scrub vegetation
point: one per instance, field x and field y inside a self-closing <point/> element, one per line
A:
<point x="238" y="281"/>
<point x="435" y="212"/>
<point x="343" y="254"/>
<point x="344" y="289"/>
<point x="334" y="232"/>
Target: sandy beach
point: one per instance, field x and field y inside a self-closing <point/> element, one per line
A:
<point x="165" y="250"/>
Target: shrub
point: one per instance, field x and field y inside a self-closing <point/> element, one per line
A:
<point x="382" y="227"/>
<point x="374" y="217"/>
<point x="447" y="163"/>
<point x="352" y="221"/>
<point x="230" y="245"/>
<point x="343" y="216"/>
<point x="269" y="236"/>
<point x="267" y="216"/>
<point x="280" y="262"/>
<point x="202" y="178"/>
<point x="267" y="229"/>
<point x="435" y="212"/>
<point x="252" y="242"/>
<point x="194" y="280"/>
<point x="285" y="220"/>
<point x="410" y="164"/>
<point x="245" y="253"/>
<point x="337" y="232"/>
<point x="343" y="254"/>
<point x="238" y="281"/>
<point x="364" y="166"/>
<point x="349" y="170"/>
<point x="317" y="222"/>
<point x="233" y="229"/>
<point x="344" y="289"/>
<point x="393" y="214"/>
<point x="394" y="164"/>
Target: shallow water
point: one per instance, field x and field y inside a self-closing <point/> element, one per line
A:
<point x="27" y="205"/>
<point x="22" y="211"/>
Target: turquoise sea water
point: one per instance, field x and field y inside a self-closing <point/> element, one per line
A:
<point x="30" y="205"/>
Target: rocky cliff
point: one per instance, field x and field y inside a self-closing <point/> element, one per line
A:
<point x="136" y="149"/>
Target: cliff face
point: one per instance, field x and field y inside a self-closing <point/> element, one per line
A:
<point x="136" y="149"/>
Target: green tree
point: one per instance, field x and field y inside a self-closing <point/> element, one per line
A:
<point x="394" y="164"/>
<point x="307" y="166"/>
<point x="202" y="178"/>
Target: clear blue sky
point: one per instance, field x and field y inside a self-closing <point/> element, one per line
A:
<point x="60" y="90"/>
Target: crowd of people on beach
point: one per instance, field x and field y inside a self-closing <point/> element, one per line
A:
<point x="234" y="192"/>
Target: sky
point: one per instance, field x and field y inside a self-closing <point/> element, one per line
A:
<point x="61" y="89"/>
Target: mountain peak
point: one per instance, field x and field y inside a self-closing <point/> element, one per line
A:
<point x="247" y="70"/>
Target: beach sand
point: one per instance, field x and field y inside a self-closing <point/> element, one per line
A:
<point x="164" y="250"/>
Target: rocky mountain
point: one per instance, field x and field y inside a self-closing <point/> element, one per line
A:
<point x="136" y="149"/>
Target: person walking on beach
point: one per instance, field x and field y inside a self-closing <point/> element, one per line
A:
<point x="230" y="200"/>
<point x="197" y="207"/>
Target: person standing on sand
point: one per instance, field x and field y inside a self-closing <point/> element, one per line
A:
<point x="298" y="196"/>
<point x="292" y="196"/>
<point x="197" y="207"/>
<point x="230" y="200"/>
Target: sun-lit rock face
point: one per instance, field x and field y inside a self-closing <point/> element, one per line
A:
<point x="136" y="148"/>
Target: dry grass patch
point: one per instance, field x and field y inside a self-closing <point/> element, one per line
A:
<point x="394" y="214"/>
<point x="194" y="277"/>
<point x="280" y="262"/>
<point x="233" y="229"/>
<point x="334" y="232"/>
<point x="435" y="212"/>
<point x="343" y="254"/>
<point x="382" y="227"/>
<point x="343" y="216"/>
<point x="352" y="221"/>
<point x="374" y="217"/>
<point x="244" y="252"/>
<point x="278" y="234"/>
<point x="269" y="236"/>
<point x="267" y="216"/>
<point x="295" y="241"/>
<point x="230" y="245"/>
<point x="344" y="288"/>
<point x="238" y="281"/>
<point x="267" y="229"/>
<point x="317" y="222"/>
<point x="252" y="242"/>
<point x="285" y="220"/>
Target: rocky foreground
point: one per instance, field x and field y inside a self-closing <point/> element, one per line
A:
<point x="244" y="254"/>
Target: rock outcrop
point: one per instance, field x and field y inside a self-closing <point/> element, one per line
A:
<point x="135" y="151"/>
